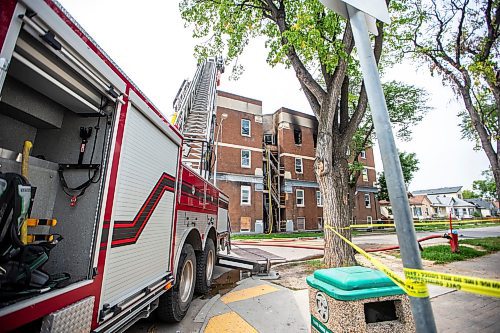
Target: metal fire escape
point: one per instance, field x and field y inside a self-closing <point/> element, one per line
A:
<point x="273" y="202"/>
<point x="195" y="113"/>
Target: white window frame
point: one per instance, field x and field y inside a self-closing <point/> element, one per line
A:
<point x="365" y="175"/>
<point x="297" y="198"/>
<point x="301" y="165"/>
<point x="369" y="220"/>
<point x="249" y="127"/>
<point x="249" y="189"/>
<point x="362" y="154"/>
<point x="369" y="201"/>
<point x="249" y="159"/>
<point x="319" y="199"/>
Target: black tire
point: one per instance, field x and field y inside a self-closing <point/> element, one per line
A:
<point x="171" y="307"/>
<point x="203" y="272"/>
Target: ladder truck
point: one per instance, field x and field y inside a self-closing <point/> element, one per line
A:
<point x="106" y="211"/>
<point x="195" y="115"/>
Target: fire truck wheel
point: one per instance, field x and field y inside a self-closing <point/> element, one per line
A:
<point x="205" y="262"/>
<point x="174" y="303"/>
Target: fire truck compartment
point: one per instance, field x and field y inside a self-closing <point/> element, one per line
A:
<point x="47" y="102"/>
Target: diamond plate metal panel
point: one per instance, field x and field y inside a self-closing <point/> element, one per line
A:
<point x="75" y="318"/>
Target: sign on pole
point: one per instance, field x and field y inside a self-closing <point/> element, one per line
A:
<point x="362" y="15"/>
<point x="373" y="10"/>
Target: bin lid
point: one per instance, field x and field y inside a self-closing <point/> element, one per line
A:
<point x="353" y="283"/>
<point x="353" y="278"/>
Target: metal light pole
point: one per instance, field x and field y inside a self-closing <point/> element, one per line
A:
<point x="356" y="11"/>
<point x="223" y="117"/>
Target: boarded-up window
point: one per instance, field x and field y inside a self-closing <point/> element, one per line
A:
<point x="365" y="175"/>
<point x="301" y="223"/>
<point x="245" y="223"/>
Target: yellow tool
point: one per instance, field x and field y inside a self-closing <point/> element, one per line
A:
<point x="39" y="230"/>
<point x="24" y="172"/>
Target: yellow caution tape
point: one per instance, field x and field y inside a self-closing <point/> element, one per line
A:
<point x="412" y="288"/>
<point x="470" y="284"/>
<point x="354" y="226"/>
<point x="415" y="280"/>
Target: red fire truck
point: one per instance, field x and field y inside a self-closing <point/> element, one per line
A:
<point x="101" y="221"/>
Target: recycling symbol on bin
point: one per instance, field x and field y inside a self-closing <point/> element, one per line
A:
<point x="322" y="306"/>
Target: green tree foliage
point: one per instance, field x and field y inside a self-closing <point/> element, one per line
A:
<point x="485" y="187"/>
<point x="318" y="45"/>
<point x="468" y="194"/>
<point x="409" y="165"/>
<point x="459" y="41"/>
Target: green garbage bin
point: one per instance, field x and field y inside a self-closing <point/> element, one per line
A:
<point x="357" y="300"/>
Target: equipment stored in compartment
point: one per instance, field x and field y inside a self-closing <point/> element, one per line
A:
<point x="20" y="264"/>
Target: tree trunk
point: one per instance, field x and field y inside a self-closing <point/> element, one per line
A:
<point x="332" y="173"/>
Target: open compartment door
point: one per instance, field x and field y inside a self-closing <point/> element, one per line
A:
<point x="143" y="215"/>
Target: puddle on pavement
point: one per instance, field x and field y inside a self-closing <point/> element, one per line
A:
<point x="226" y="282"/>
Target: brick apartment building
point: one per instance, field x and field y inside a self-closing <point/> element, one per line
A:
<point x="265" y="166"/>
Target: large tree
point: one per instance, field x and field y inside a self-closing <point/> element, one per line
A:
<point x="459" y="40"/>
<point x="485" y="187"/>
<point x="409" y="165"/>
<point x="310" y="39"/>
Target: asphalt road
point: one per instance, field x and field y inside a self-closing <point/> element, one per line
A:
<point x="151" y="325"/>
<point x="391" y="239"/>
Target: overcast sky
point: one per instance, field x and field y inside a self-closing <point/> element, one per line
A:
<point x="148" y="40"/>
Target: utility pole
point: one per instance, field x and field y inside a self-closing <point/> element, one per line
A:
<point x="362" y="15"/>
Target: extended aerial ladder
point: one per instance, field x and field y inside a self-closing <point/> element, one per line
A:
<point x="194" y="115"/>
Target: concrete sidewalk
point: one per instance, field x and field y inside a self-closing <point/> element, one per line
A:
<point x="258" y="306"/>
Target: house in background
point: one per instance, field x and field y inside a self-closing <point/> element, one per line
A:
<point x="420" y="206"/>
<point x="454" y="192"/>
<point x="485" y="208"/>
<point x="444" y="205"/>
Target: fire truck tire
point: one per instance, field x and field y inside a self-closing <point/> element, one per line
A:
<point x="174" y="304"/>
<point x="205" y="262"/>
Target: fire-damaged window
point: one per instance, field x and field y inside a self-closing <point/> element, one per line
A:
<point x="299" y="198"/>
<point x="269" y="139"/>
<point x="245" y="127"/>
<point x="297" y="136"/>
<point x="245" y="158"/>
<point x="298" y="165"/>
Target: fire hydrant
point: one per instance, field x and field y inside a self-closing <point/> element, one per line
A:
<point x="453" y="237"/>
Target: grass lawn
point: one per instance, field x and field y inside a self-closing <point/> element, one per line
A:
<point x="441" y="254"/>
<point x="277" y="235"/>
<point x="491" y="244"/>
<point x="285" y="235"/>
<point x="455" y="226"/>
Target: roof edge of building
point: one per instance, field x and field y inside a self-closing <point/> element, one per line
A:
<point x="294" y="112"/>
<point x="239" y="97"/>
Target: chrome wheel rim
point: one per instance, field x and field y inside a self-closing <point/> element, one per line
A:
<point x="210" y="265"/>
<point x="186" y="282"/>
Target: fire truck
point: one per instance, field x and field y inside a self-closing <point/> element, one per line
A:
<point x="106" y="208"/>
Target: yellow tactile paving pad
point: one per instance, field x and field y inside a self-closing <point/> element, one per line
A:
<point x="243" y="294"/>
<point x="229" y="322"/>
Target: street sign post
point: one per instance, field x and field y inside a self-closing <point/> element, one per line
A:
<point x="362" y="15"/>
